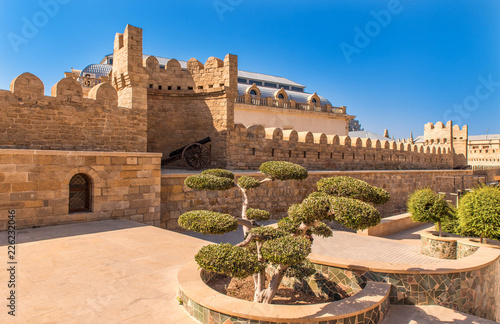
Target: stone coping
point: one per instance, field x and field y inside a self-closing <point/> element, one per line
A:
<point x="474" y="241"/>
<point x="433" y="235"/>
<point x="88" y="153"/>
<point x="190" y="282"/>
<point x="182" y="173"/>
<point x="480" y="259"/>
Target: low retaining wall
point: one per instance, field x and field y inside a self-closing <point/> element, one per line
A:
<point x="35" y="183"/>
<point x="470" y="285"/>
<point x="208" y="306"/>
<point x="441" y="247"/>
<point x="390" y="225"/>
<point x="277" y="196"/>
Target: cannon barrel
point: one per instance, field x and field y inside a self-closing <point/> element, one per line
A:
<point x="179" y="151"/>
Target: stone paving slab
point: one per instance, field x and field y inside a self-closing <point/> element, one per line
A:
<point x="402" y="314"/>
<point x="114" y="271"/>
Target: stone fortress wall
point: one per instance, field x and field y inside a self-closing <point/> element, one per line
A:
<point x="66" y="120"/>
<point x="450" y="135"/>
<point x="251" y="146"/>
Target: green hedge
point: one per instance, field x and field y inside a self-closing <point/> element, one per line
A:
<point x="219" y="173"/>
<point x="247" y="182"/>
<point x="281" y="170"/>
<point x="257" y="214"/>
<point x="352" y="188"/>
<point x="208" y="182"/>
<point x="287" y="250"/>
<point x="207" y="222"/>
<point x="227" y="259"/>
<point x="479" y="212"/>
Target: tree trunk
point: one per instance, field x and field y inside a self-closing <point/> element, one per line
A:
<point x="271" y="290"/>
<point x="440" y="231"/>
<point x="481" y="238"/>
<point x="259" y="281"/>
<point x="244" y="208"/>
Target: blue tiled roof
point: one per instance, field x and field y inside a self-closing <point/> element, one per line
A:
<point x="97" y="70"/>
<point x="292" y="95"/>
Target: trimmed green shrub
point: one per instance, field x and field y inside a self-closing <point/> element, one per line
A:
<point x="257" y="214"/>
<point x="287" y="250"/>
<point x="289" y="225"/>
<point x="248" y="182"/>
<point x="301" y="270"/>
<point x="219" y="173"/>
<point x="479" y="212"/>
<point x="322" y="230"/>
<point x="228" y="259"/>
<point x="208" y="182"/>
<point x="352" y="188"/>
<point x="425" y="205"/>
<point x="268" y="233"/>
<point x="281" y="170"/>
<point x="353" y="213"/>
<point x="311" y="209"/>
<point x="207" y="222"/>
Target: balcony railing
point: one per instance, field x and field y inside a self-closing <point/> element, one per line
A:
<point x="291" y="104"/>
<point x="88" y="82"/>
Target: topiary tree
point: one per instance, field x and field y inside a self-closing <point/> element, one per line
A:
<point x="425" y="205"/>
<point x="479" y="212"/>
<point x="286" y="247"/>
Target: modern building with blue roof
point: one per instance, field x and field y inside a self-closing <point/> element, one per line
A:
<point x="262" y="99"/>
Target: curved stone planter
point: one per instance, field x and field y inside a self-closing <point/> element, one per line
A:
<point x="208" y="306"/>
<point x="443" y="247"/>
<point x="470" y="285"/>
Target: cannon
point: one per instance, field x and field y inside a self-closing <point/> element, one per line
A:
<point x="195" y="156"/>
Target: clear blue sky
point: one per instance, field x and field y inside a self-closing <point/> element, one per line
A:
<point x="394" y="64"/>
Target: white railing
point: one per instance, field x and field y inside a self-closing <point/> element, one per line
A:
<point x="280" y="103"/>
<point x="88" y="82"/>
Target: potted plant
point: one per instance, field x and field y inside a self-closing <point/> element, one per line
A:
<point x="285" y="248"/>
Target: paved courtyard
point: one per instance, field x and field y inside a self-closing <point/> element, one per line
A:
<point x="119" y="271"/>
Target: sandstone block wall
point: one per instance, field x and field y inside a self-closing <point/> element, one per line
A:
<point x="187" y="105"/>
<point x="251" y="146"/>
<point x="66" y="120"/>
<point x="36" y="184"/>
<point x="277" y="196"/>
<point x="451" y="136"/>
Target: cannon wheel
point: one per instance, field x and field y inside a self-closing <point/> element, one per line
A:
<point x="196" y="156"/>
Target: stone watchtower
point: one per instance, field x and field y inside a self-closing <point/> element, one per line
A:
<point x="451" y="136"/>
<point x="128" y="75"/>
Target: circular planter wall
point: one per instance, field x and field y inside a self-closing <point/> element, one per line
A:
<point x="438" y="247"/>
<point x="209" y="306"/>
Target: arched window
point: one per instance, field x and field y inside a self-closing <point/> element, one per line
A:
<point x="281" y="96"/>
<point x="79" y="193"/>
<point x="253" y="93"/>
<point x="313" y="100"/>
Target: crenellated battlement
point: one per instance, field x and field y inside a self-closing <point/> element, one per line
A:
<point x="67" y="120"/>
<point x="252" y="145"/>
<point x="214" y="76"/>
<point x="451" y="136"/>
